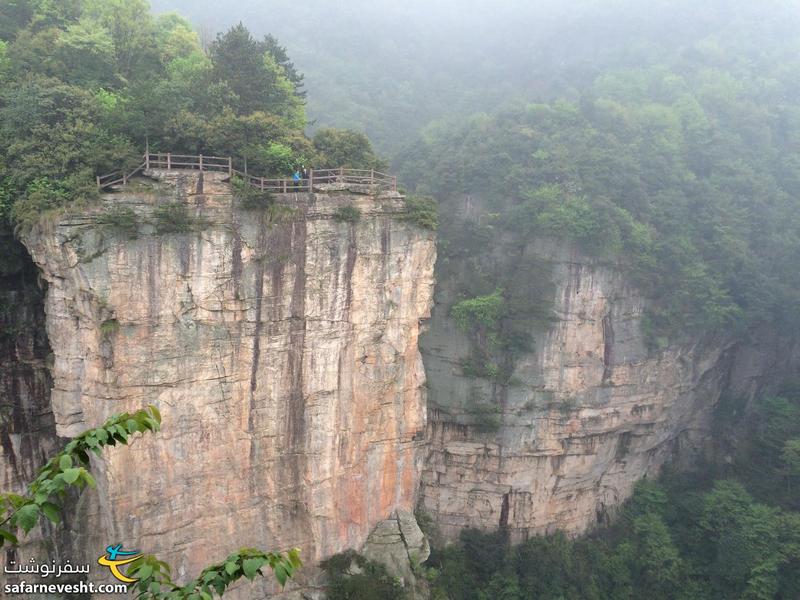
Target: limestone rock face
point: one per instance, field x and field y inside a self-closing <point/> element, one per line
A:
<point x="399" y="544"/>
<point x="27" y="427"/>
<point x="588" y="413"/>
<point x="281" y="348"/>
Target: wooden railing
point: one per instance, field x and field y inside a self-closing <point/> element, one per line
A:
<point x="169" y="162"/>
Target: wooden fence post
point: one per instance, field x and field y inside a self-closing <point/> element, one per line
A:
<point x="230" y="167"/>
<point x="98" y="181"/>
<point x="147" y="161"/>
<point x="284" y="186"/>
<point x="169" y="161"/>
<point x="372" y="177"/>
<point x="262" y="184"/>
<point x="311" y="180"/>
<point x="201" y="162"/>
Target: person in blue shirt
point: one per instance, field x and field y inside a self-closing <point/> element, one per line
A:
<point x="296" y="178"/>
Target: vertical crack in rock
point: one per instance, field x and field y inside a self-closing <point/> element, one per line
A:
<point x="258" y="293"/>
<point x="608" y="347"/>
<point x="297" y="339"/>
<point x="350" y="263"/>
<point x="504" y="511"/>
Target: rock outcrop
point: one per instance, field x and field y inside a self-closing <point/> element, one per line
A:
<point x="281" y="348"/>
<point x="588" y="413"/>
<point x="399" y="544"/>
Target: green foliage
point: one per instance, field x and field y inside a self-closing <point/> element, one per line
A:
<point x="68" y="469"/>
<point x="85" y="82"/>
<point x="249" y="69"/>
<point x="669" y="544"/>
<point x="341" y="148"/>
<point x="487" y="417"/>
<point x="109" y="326"/>
<point x="422" y="211"/>
<point x="121" y="220"/>
<point x="353" y="577"/>
<point x="174" y="217"/>
<point x="672" y="166"/>
<point x="481" y="313"/>
<point x="155" y="581"/>
<point x="482" y="318"/>
<point x="347" y="214"/>
<point x="250" y="197"/>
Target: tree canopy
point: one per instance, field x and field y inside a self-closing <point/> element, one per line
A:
<point x="84" y="83"/>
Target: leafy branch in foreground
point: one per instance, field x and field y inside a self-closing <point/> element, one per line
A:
<point x="154" y="581"/>
<point x="68" y="469"/>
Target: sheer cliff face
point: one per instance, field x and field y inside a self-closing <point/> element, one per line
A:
<point x="588" y="414"/>
<point x="281" y="350"/>
<point x="27" y="429"/>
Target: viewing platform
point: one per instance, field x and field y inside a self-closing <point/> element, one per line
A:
<point x="369" y="178"/>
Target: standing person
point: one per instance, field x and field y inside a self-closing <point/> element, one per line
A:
<point x="296" y="178"/>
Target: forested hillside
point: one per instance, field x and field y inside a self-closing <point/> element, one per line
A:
<point x="85" y="83"/>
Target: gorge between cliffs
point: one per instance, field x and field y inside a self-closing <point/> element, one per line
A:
<point x="311" y="398"/>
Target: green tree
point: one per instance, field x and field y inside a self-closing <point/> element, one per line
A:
<point x="341" y="148"/>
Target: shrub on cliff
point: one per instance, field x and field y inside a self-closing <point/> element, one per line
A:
<point x="347" y="214"/>
<point x="422" y="211"/>
<point x="250" y="197"/>
<point x="352" y="577"/>
<point x="174" y="217"/>
<point x="121" y="220"/>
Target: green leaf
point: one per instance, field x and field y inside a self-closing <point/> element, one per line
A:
<point x="294" y="558"/>
<point x="52" y="512"/>
<point x="71" y="475"/>
<point x="281" y="575"/>
<point x="132" y="426"/>
<point x="8" y="536"/>
<point x="65" y="462"/>
<point x="251" y="566"/>
<point x="121" y="434"/>
<point x="231" y="567"/>
<point x="156" y="413"/>
<point x="26" y="516"/>
<point x="88" y="479"/>
<point x="144" y="572"/>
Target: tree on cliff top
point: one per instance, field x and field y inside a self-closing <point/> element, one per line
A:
<point x="85" y="82"/>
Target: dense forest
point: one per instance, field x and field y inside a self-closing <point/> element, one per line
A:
<point x="84" y="84"/>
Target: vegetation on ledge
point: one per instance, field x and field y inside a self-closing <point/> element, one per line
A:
<point x="84" y="84"/>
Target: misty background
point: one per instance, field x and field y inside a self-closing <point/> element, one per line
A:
<point x="390" y="68"/>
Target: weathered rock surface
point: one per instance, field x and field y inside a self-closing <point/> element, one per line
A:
<point x="27" y="428"/>
<point x="282" y="353"/>
<point x="589" y="412"/>
<point x="399" y="544"/>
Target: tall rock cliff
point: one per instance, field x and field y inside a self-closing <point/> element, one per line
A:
<point x="281" y="348"/>
<point x="587" y="413"/>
